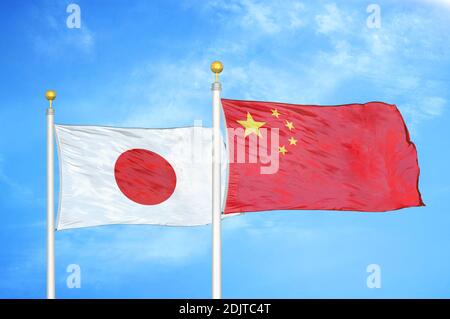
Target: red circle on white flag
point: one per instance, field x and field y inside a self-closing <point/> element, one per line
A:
<point x="144" y="176"/>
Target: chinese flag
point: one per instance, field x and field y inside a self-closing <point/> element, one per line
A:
<point x="355" y="157"/>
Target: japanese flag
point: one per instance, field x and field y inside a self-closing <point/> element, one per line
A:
<point x="135" y="176"/>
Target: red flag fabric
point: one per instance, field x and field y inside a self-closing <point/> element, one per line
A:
<point x="355" y="157"/>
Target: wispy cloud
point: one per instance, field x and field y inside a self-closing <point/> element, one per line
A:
<point x="168" y="93"/>
<point x="332" y="20"/>
<point x="53" y="38"/>
<point x="317" y="52"/>
<point x="424" y="108"/>
<point x="266" y="17"/>
<point x="60" y="41"/>
<point x="175" y="93"/>
<point x="393" y="61"/>
<point x="443" y="3"/>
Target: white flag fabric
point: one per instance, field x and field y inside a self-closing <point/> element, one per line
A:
<point x="134" y="176"/>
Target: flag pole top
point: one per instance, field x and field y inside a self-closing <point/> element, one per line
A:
<point x="50" y="95"/>
<point x="216" y="68"/>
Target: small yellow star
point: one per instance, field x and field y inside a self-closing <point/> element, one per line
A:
<point x="282" y="150"/>
<point x="251" y="126"/>
<point x="275" y="113"/>
<point x="292" y="141"/>
<point x="289" y="125"/>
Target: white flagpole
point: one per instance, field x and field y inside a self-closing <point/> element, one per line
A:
<point x="50" y="96"/>
<point x="216" y="68"/>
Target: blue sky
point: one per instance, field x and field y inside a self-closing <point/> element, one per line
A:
<point x="146" y="63"/>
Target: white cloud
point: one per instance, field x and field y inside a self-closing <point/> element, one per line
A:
<point x="434" y="106"/>
<point x="168" y="94"/>
<point x="444" y="3"/>
<point x="332" y="20"/>
<point x="272" y="17"/>
<point x="54" y="38"/>
<point x="389" y="60"/>
<point x="266" y="17"/>
<point x="59" y="41"/>
<point x="422" y="108"/>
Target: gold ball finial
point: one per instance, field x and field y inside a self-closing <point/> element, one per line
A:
<point x="50" y="95"/>
<point x="216" y="68"/>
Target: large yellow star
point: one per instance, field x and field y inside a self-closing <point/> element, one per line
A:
<point x="292" y="141"/>
<point x="251" y="126"/>
<point x="289" y="125"/>
<point x="282" y="150"/>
